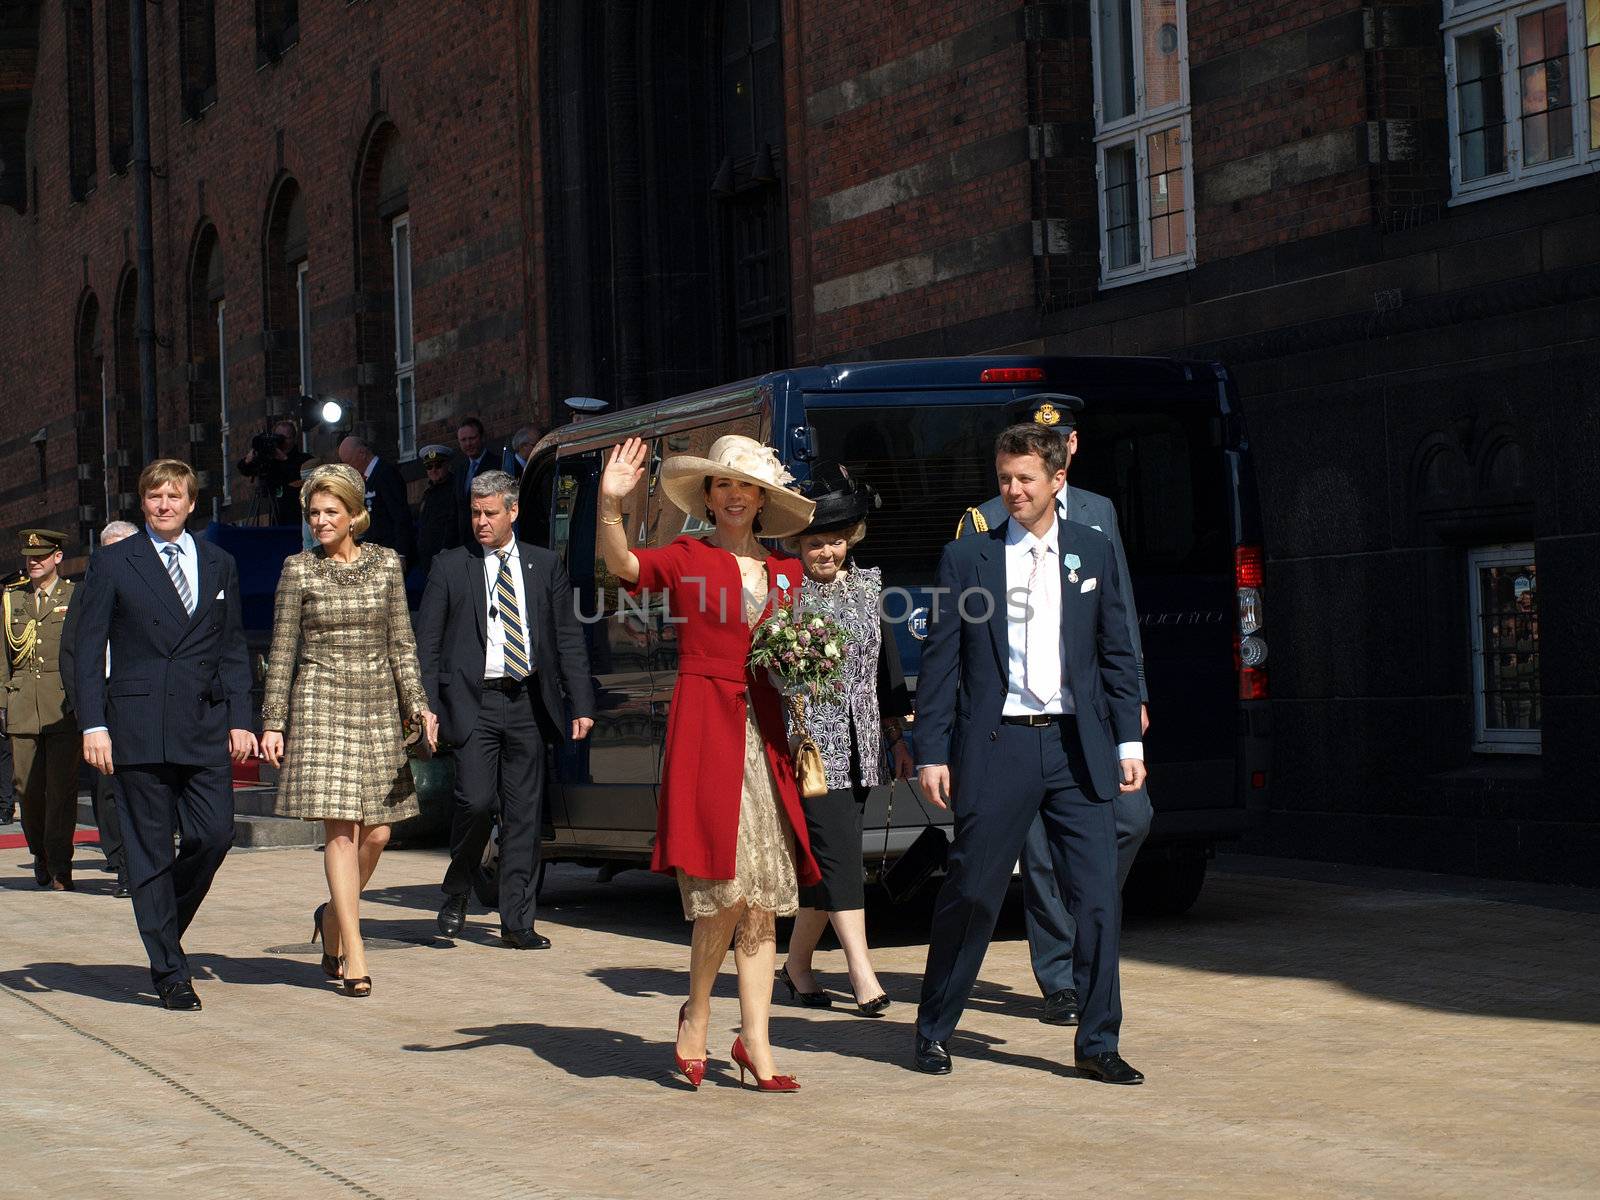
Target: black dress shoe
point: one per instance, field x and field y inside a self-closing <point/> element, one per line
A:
<point x="524" y="939"/>
<point x="931" y="1057"/>
<point x="452" y="915"/>
<point x="122" y="890"/>
<point x="41" y="873"/>
<point x="179" y="995"/>
<point x="1061" y="1008"/>
<point x="1108" y="1068"/>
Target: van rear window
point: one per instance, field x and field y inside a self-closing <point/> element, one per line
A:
<point x="1161" y="463"/>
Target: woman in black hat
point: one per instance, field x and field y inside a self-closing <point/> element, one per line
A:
<point x="851" y="730"/>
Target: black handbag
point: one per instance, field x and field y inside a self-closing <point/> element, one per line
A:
<point x="928" y="854"/>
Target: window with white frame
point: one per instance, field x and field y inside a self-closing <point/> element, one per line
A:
<point x="1503" y="582"/>
<point x="222" y="401"/>
<point x="405" y="361"/>
<point x="1524" y="82"/>
<point x="1142" y="138"/>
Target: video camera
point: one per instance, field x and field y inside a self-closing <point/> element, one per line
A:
<point x="267" y="443"/>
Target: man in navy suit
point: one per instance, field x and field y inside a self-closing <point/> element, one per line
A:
<point x="1051" y="932"/>
<point x="171" y="712"/>
<point x="1028" y="707"/>
<point x="504" y="666"/>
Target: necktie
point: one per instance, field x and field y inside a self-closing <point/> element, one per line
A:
<point x="505" y="599"/>
<point x="178" y="581"/>
<point x="1041" y="667"/>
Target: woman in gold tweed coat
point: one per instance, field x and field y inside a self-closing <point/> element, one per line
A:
<point x="343" y="682"/>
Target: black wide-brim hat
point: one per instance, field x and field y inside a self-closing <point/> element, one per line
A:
<point x="842" y="502"/>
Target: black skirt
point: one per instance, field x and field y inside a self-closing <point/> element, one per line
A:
<point x="833" y="820"/>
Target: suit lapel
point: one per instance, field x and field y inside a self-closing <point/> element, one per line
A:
<point x="532" y="601"/>
<point x="208" y="575"/>
<point x="478" y="577"/>
<point x="149" y="564"/>
<point x="992" y="578"/>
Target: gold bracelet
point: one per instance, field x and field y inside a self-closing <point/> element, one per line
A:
<point x="605" y="520"/>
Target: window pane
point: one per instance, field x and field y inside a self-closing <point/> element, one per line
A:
<point x="403" y="351"/>
<point x="406" y="396"/>
<point x="1116" y="58"/>
<point x="1162" y="85"/>
<point x="1509" y="602"/>
<point x="1122" y="208"/>
<point x="1480" y="104"/>
<point x="1592" y="41"/>
<point x="1545" y="97"/>
<point x="1168" y="232"/>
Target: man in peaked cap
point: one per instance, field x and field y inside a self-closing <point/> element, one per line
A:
<point x="1051" y="929"/>
<point x="439" y="515"/>
<point x="45" y="743"/>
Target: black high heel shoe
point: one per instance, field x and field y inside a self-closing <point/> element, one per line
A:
<point x="332" y="966"/>
<point x="804" y="999"/>
<point x="873" y="1007"/>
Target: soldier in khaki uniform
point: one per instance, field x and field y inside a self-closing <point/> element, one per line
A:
<point x="45" y="742"/>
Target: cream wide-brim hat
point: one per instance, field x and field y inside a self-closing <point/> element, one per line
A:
<point x="734" y="456"/>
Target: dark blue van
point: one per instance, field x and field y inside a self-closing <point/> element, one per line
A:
<point x="1164" y="439"/>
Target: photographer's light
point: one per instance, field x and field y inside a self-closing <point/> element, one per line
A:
<point x="332" y="412"/>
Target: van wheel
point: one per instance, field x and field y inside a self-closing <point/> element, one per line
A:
<point x="1165" y="887"/>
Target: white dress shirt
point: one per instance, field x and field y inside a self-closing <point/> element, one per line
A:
<point x="1045" y="606"/>
<point x="188" y="558"/>
<point x="1039" y="611"/>
<point x="494" y="651"/>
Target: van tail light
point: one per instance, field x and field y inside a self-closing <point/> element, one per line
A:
<point x="1012" y="375"/>
<point x="1249" y="646"/>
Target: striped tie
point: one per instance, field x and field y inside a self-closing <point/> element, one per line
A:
<point x="178" y="581"/>
<point x="505" y="599"/>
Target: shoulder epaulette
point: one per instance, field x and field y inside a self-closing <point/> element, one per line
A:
<point x="979" y="524"/>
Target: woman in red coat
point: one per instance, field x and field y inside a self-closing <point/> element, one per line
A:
<point x="730" y="824"/>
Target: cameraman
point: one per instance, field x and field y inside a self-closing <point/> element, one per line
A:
<point x="274" y="462"/>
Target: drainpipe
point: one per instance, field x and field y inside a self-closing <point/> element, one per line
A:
<point x="144" y="234"/>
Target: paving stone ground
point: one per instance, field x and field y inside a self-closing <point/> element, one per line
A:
<point x="1302" y="1038"/>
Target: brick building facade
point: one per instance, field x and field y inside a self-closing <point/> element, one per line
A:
<point x="1381" y="214"/>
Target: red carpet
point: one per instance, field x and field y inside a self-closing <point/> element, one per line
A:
<point x="15" y="841"/>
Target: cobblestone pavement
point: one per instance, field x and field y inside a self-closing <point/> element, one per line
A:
<point x="1301" y="1038"/>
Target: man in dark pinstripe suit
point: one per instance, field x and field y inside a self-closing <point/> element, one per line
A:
<point x="504" y="665"/>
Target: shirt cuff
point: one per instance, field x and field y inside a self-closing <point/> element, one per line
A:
<point x="97" y="729"/>
<point x="1133" y="750"/>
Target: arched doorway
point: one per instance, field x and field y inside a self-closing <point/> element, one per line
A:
<point x="125" y="432"/>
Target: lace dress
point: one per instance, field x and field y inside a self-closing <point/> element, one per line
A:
<point x="764" y="872"/>
<point x="341" y="678"/>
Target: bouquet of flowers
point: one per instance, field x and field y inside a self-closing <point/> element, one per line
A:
<point x="804" y="654"/>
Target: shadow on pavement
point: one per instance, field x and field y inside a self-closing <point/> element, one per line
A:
<point x="585" y="1052"/>
<point x="125" y="983"/>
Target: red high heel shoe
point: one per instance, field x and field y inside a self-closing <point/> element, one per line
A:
<point x="693" y="1069"/>
<point x="778" y="1083"/>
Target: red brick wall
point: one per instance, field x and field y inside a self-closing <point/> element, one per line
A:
<point x="1319" y="99"/>
<point x="835" y="42"/>
<point x="451" y="79"/>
